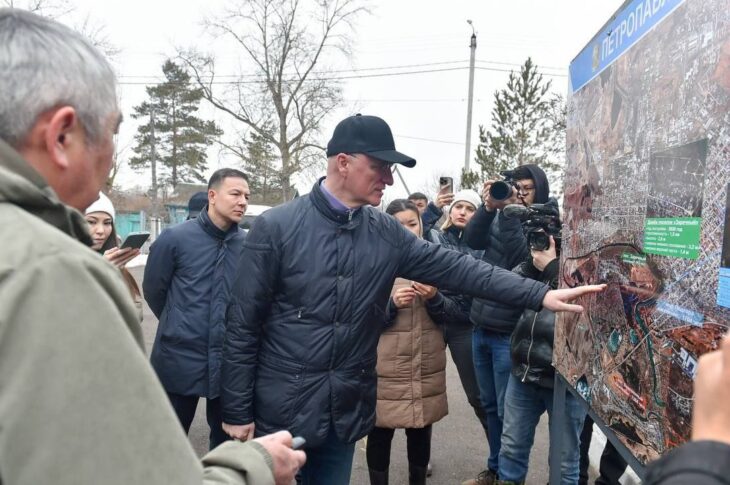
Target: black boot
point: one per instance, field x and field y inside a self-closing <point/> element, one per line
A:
<point x="416" y="475"/>
<point x="378" y="478"/>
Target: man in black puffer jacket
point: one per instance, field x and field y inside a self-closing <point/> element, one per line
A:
<point x="530" y="388"/>
<point x="308" y="305"/>
<point x="505" y="246"/>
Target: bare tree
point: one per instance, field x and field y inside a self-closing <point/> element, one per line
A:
<point x="285" y="101"/>
<point x="92" y="29"/>
<point x="95" y="31"/>
<point x="48" y="8"/>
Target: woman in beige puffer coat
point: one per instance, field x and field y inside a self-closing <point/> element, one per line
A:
<point x="411" y="369"/>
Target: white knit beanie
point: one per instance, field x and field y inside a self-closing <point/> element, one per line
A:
<point x="102" y="204"/>
<point x="467" y="195"/>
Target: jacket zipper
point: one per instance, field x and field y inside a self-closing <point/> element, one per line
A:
<point x="529" y="349"/>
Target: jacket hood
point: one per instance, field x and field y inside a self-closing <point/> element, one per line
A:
<point x="542" y="186"/>
<point x="21" y="185"/>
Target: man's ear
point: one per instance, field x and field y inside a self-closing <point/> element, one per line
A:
<point x="342" y="164"/>
<point x="62" y="136"/>
<point x="211" y="196"/>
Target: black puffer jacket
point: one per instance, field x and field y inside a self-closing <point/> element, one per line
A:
<point x="531" y="346"/>
<point x="504" y="245"/>
<point x="453" y="238"/>
<point x="301" y="337"/>
<point x="697" y="462"/>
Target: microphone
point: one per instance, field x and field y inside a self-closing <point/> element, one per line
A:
<point x="516" y="211"/>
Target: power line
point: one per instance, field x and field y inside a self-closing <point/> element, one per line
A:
<point x="407" y="66"/>
<point x="337" y="78"/>
<point x="363" y="69"/>
<point x="431" y="140"/>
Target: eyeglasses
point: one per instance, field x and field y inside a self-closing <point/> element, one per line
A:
<point x="382" y="167"/>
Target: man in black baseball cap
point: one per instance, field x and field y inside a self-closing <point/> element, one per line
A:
<point x="368" y="135"/>
<point x="359" y="162"/>
<point x="310" y="301"/>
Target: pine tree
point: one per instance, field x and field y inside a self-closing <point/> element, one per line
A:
<point x="173" y="138"/>
<point x="259" y="163"/>
<point x="528" y="126"/>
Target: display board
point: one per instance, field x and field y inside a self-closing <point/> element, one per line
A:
<point x="647" y="210"/>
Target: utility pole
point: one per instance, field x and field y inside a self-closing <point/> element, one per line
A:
<point x="470" y="101"/>
<point x="153" y="164"/>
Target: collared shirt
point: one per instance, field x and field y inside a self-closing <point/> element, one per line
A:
<point x="333" y="201"/>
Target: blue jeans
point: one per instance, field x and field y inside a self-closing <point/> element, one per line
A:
<point x="328" y="464"/>
<point x="493" y="365"/>
<point x="524" y="404"/>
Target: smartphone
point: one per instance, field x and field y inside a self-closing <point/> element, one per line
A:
<point x="446" y="184"/>
<point x="135" y="240"/>
<point x="297" y="442"/>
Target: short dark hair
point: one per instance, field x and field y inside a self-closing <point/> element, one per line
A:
<point x="224" y="173"/>
<point x="417" y="196"/>
<point x="400" y="205"/>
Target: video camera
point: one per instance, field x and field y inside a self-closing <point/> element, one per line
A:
<point x="539" y="222"/>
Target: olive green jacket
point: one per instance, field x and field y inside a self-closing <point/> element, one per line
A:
<point x="79" y="402"/>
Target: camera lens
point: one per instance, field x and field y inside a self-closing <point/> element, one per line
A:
<point x="538" y="240"/>
<point x="500" y="190"/>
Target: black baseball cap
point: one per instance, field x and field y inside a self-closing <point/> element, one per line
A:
<point x="196" y="204"/>
<point x="369" y="135"/>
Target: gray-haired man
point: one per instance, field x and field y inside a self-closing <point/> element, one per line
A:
<point x="79" y="404"/>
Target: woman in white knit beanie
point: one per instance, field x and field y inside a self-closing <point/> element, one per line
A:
<point x="100" y="216"/>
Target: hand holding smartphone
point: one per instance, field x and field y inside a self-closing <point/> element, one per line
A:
<point x="135" y="240"/>
<point x="446" y="185"/>
<point x="446" y="192"/>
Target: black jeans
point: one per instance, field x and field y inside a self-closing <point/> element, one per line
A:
<point x="185" y="409"/>
<point x="612" y="465"/>
<point x="379" y="441"/>
<point x="459" y="339"/>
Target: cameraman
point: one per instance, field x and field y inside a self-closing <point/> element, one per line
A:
<point x="504" y="245"/>
<point x="530" y="387"/>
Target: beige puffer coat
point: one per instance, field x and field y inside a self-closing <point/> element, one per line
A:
<point x="411" y="369"/>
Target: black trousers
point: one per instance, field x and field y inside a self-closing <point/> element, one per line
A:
<point x="185" y="409"/>
<point x="612" y="465"/>
<point x="380" y="439"/>
<point x="459" y="340"/>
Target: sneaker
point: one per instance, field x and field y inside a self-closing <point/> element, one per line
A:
<point x="487" y="477"/>
<point x="429" y="469"/>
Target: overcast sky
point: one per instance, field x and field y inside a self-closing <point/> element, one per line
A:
<point x="426" y="111"/>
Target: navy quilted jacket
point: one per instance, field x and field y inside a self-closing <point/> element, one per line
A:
<point x="187" y="281"/>
<point x="308" y="307"/>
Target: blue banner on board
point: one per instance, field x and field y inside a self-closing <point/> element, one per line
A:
<point x="630" y="25"/>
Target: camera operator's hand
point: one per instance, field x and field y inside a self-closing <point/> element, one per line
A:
<point x="490" y="204"/>
<point x="540" y="259"/>
<point x="403" y="297"/>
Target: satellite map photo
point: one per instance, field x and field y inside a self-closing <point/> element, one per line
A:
<point x="647" y="211"/>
